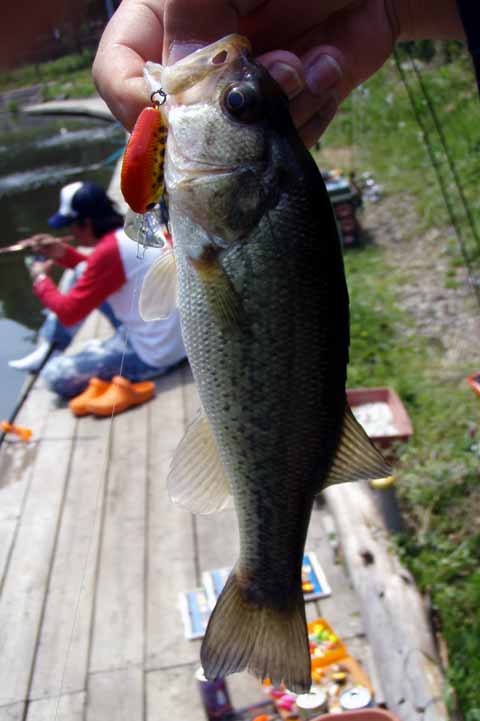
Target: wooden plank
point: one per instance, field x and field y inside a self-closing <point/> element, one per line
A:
<point x="12" y="495"/>
<point x="119" y="610"/>
<point x="116" y="695"/>
<point x="26" y="581"/>
<point x="361" y="650"/>
<point x="393" y="613"/>
<point x="245" y="690"/>
<point x="68" y="707"/>
<point x="172" y="693"/>
<point x="13" y="712"/>
<point x="62" y="656"/>
<point x="17" y="461"/>
<point x="217" y="538"/>
<point x="171" y="559"/>
<point x="342" y="608"/>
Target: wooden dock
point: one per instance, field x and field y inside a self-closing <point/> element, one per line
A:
<point x="93" y="556"/>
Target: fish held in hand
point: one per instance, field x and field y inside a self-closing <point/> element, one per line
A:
<point x="264" y="309"/>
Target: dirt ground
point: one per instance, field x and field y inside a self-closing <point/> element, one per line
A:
<point x="449" y="316"/>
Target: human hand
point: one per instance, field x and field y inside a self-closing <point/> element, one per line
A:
<point x="326" y="49"/>
<point x="39" y="268"/>
<point x="47" y="245"/>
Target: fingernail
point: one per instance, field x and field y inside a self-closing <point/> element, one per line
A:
<point x="179" y="50"/>
<point x="287" y="77"/>
<point x="322" y="73"/>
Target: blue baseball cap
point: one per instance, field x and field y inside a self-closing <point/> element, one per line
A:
<point x="79" y="201"/>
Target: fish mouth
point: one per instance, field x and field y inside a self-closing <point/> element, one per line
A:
<point x="181" y="165"/>
<point x="200" y="169"/>
<point x="184" y="170"/>
<point x="194" y="68"/>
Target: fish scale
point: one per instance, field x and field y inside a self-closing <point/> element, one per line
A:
<point x="272" y="391"/>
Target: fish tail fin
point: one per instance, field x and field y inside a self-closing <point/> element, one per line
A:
<point x="268" y="642"/>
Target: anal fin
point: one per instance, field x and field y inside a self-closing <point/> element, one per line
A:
<point x="221" y="295"/>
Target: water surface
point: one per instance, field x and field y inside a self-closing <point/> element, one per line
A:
<point x="38" y="155"/>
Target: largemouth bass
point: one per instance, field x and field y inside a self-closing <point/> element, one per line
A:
<point x="264" y="309"/>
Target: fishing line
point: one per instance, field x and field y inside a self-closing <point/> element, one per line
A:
<point x="443" y="140"/>
<point x="436" y="166"/>
<point x="96" y="514"/>
<point x="353" y="125"/>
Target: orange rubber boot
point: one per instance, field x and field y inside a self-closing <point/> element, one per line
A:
<point x="121" y="394"/>
<point x="95" y="388"/>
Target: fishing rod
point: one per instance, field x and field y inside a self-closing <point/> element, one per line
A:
<point x="436" y="166"/>
<point x="448" y="155"/>
<point x="16" y="248"/>
<point x="28" y="246"/>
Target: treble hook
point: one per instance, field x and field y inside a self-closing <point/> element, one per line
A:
<point x="163" y="97"/>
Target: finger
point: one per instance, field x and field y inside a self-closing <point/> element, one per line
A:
<point x="279" y="24"/>
<point x="133" y="35"/>
<point x="312" y="131"/>
<point x="46" y="240"/>
<point x="190" y="25"/>
<point x="287" y="69"/>
<point x="359" y="38"/>
<point x="323" y="77"/>
<point x="312" y="84"/>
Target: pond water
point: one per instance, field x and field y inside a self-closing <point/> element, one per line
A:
<point x="37" y="156"/>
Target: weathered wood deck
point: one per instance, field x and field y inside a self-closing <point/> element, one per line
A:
<point x="93" y="556"/>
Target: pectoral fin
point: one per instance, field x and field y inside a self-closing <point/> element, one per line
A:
<point x="221" y="295"/>
<point x="158" y="293"/>
<point x="356" y="458"/>
<point x="197" y="480"/>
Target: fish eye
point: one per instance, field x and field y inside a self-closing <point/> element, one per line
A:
<point x="241" y="101"/>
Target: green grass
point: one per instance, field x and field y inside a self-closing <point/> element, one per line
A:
<point x="378" y="120"/>
<point x="69" y="76"/>
<point x="438" y="470"/>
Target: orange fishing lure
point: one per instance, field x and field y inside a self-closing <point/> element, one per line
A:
<point x="21" y="431"/>
<point x="142" y="169"/>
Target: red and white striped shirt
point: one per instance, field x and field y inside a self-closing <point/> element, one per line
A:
<point x="115" y="274"/>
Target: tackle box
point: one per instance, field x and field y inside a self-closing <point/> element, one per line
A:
<point x="346" y="201"/>
<point x="329" y="647"/>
